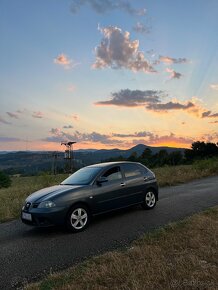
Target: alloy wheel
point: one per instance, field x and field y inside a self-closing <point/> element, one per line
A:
<point x="79" y="218"/>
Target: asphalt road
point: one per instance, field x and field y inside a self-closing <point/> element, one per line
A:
<point x="27" y="254"/>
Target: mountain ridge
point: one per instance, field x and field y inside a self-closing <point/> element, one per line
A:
<point x="33" y="162"/>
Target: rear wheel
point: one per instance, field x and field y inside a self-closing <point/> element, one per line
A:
<point x="149" y="200"/>
<point x="78" y="218"/>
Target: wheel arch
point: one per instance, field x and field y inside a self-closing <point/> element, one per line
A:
<point x="77" y="203"/>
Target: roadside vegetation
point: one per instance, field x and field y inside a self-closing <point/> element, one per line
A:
<point x="5" y="180"/>
<point x="182" y="255"/>
<point x="12" y="198"/>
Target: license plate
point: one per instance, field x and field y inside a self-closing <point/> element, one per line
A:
<point x="26" y="216"/>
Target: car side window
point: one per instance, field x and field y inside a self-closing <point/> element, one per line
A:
<point x="132" y="170"/>
<point x="113" y="174"/>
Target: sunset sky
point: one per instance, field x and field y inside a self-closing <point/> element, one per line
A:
<point x="108" y="74"/>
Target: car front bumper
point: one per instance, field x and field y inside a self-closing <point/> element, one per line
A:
<point x="42" y="217"/>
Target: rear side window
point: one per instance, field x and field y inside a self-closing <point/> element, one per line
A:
<point x="132" y="170"/>
<point x="113" y="173"/>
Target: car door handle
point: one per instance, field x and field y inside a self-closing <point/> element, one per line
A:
<point x="122" y="184"/>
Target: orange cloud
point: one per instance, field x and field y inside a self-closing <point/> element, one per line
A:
<point x="171" y="60"/>
<point x="64" y="61"/>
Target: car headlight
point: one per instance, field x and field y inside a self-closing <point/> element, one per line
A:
<point x="46" y="204"/>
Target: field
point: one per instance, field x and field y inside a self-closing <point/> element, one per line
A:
<point x="182" y="255"/>
<point x="12" y="198"/>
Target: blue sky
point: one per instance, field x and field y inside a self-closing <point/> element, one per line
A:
<point x="107" y="73"/>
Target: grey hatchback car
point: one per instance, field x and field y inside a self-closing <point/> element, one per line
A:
<point x="90" y="191"/>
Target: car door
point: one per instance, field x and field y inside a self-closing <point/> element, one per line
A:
<point x="108" y="195"/>
<point x="135" y="183"/>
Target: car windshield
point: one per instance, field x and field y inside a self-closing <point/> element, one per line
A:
<point x="82" y="177"/>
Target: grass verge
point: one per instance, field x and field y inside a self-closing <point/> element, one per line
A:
<point x="172" y="175"/>
<point x="12" y="198"/>
<point x="182" y="255"/>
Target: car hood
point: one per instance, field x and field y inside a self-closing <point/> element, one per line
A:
<point x="51" y="192"/>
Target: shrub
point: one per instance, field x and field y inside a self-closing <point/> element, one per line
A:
<point x="5" y="180"/>
<point x="209" y="165"/>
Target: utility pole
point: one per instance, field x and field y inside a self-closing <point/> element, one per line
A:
<point x="54" y="164"/>
<point x="68" y="155"/>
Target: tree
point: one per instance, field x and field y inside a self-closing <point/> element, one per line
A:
<point x="146" y="154"/>
<point x="175" y="158"/>
<point x="132" y="157"/>
<point x="146" y="157"/>
<point x="162" y="157"/>
<point x="5" y="180"/>
<point x="201" y="150"/>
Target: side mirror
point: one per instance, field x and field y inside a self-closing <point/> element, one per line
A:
<point x="101" y="180"/>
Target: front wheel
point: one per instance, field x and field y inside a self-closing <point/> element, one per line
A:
<point x="149" y="200"/>
<point x="78" y="218"/>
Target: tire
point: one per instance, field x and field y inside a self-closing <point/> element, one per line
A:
<point x="78" y="218"/>
<point x="150" y="199"/>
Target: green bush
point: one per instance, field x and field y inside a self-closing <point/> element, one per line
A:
<point x="5" y="180"/>
<point x="210" y="165"/>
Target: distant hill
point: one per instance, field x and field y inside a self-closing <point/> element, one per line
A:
<point x="103" y="154"/>
<point x="32" y="162"/>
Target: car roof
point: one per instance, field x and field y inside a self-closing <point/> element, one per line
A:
<point x="106" y="164"/>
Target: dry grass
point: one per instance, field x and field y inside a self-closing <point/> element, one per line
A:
<point x="180" y="256"/>
<point x="12" y="198"/>
<point x="171" y="175"/>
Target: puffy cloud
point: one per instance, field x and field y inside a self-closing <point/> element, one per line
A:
<point x="12" y="115"/>
<point x="214" y="122"/>
<point x="208" y="114"/>
<point x="119" y="139"/>
<point x="171" y="60"/>
<point x="176" y="75"/>
<point x="95" y="137"/>
<point x="214" y="87"/>
<point x="3" y="121"/>
<point x="170" y="106"/>
<point x="171" y="138"/>
<point x="104" y="6"/>
<point x="141" y="28"/>
<point x="102" y="138"/>
<point x="134" y="135"/>
<point x="132" y="98"/>
<point x="116" y="50"/>
<point x="37" y="115"/>
<point x="64" y="61"/>
<point x="173" y="74"/>
<point x="152" y="100"/>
